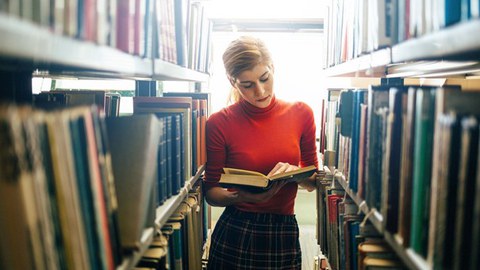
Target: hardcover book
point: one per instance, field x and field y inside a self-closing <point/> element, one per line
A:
<point x="238" y="177"/>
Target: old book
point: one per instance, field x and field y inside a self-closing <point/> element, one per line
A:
<point x="362" y="151"/>
<point x="406" y="165"/>
<point x="391" y="175"/>
<point x="465" y="192"/>
<point x="379" y="263"/>
<point x="204" y="112"/>
<point x="475" y="247"/>
<point x="424" y="124"/>
<point x="443" y="190"/>
<point x="245" y="178"/>
<point x="162" y="106"/>
<point x="374" y="249"/>
<point x="359" y="97"/>
<point x="378" y="98"/>
<point x="133" y="142"/>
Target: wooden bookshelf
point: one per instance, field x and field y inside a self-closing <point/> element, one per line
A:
<point x="411" y="259"/>
<point x="53" y="52"/>
<point x="449" y="55"/>
<point x="457" y="42"/>
<point x="37" y="46"/>
<point x="28" y="49"/>
<point x="165" y="210"/>
<point x="368" y="65"/>
<point x="451" y="51"/>
<point x="131" y="261"/>
<point x="163" y="213"/>
<point x="164" y="71"/>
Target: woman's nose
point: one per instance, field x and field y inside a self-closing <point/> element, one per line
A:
<point x="259" y="89"/>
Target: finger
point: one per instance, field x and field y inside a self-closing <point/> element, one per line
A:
<point x="284" y="168"/>
<point x="275" y="169"/>
<point x="281" y="168"/>
<point x="291" y="168"/>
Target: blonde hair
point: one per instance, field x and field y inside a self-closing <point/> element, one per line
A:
<point x="244" y="54"/>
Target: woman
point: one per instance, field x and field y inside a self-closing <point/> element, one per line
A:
<point x="260" y="133"/>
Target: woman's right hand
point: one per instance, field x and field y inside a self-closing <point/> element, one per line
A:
<point x="243" y="196"/>
<point x="218" y="196"/>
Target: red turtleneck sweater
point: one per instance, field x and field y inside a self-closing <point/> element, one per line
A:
<point x="246" y="137"/>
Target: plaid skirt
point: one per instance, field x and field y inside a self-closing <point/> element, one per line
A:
<point x="244" y="240"/>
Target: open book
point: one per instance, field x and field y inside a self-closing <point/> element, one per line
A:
<point x="256" y="181"/>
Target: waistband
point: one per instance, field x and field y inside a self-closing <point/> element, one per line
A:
<point x="259" y="217"/>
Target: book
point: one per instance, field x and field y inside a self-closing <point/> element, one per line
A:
<point x="463" y="229"/>
<point x="378" y="102"/>
<point x="237" y="177"/>
<point x="379" y="263"/>
<point x="162" y="106"/>
<point x="359" y="97"/>
<point x="134" y="160"/>
<point x="390" y="177"/>
<point x="406" y="164"/>
<point x="424" y="125"/>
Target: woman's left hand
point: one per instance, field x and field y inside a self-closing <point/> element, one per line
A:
<point x="307" y="183"/>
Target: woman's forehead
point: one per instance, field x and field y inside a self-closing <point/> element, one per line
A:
<point x="254" y="73"/>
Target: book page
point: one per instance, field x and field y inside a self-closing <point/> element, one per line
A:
<point x="242" y="172"/>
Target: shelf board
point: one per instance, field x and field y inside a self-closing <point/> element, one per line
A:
<point x="25" y="41"/>
<point x="435" y="69"/>
<point x="369" y="65"/>
<point x="411" y="259"/>
<point x="165" y="210"/>
<point x="444" y="53"/>
<point x="456" y="42"/>
<point x="129" y="262"/>
<point x="166" y="71"/>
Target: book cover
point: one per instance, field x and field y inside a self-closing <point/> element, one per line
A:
<point x="475" y="248"/>
<point x="390" y="181"/>
<point x="444" y="190"/>
<point x="172" y="105"/>
<point x="133" y="144"/>
<point x="370" y="263"/>
<point x="465" y="192"/>
<point x="15" y="219"/>
<point x="245" y="178"/>
<point x="406" y="164"/>
<point x="358" y="99"/>
<point x="424" y="125"/>
<point x="378" y="97"/>
<point x="204" y="111"/>
<point x="362" y="142"/>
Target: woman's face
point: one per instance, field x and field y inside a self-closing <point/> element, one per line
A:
<point x="256" y="85"/>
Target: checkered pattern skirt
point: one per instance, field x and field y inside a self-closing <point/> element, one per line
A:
<point x="244" y="240"/>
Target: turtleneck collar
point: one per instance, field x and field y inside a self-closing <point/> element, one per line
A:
<point x="254" y="111"/>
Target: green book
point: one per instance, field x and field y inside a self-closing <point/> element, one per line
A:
<point x="424" y="124"/>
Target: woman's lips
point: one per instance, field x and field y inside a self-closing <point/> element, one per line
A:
<point x="263" y="99"/>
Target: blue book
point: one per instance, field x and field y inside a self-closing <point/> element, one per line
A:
<point x="453" y="11"/>
<point x="354" y="231"/>
<point x="359" y="97"/>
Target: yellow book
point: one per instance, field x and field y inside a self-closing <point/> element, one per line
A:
<point x="257" y="181"/>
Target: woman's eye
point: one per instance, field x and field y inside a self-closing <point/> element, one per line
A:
<point x="265" y="79"/>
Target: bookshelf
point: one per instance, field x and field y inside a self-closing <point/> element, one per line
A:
<point x="36" y="46"/>
<point x="168" y="207"/>
<point x="411" y="259"/>
<point x="131" y="261"/>
<point x="435" y="55"/>
<point x="450" y="51"/>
